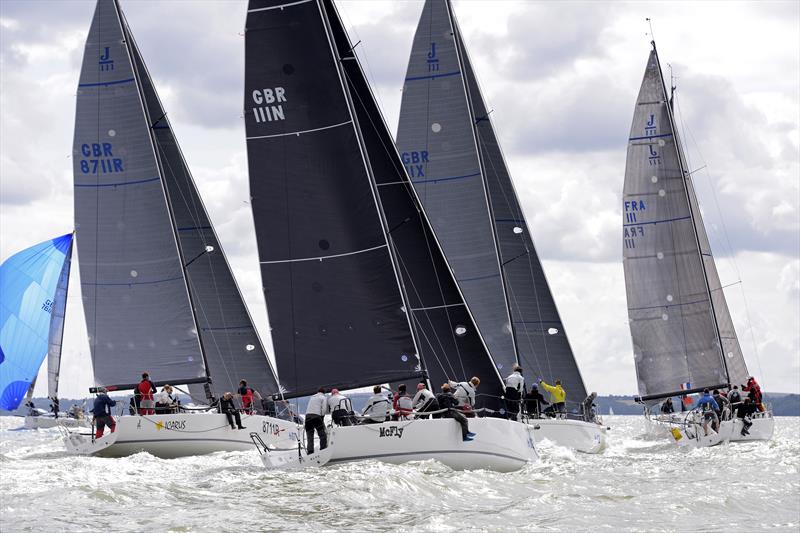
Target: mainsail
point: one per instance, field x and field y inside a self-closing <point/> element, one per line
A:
<point x="357" y="288"/>
<point x="443" y="121"/>
<point x="33" y="287"/>
<point x="158" y="293"/>
<point x="676" y="306"/>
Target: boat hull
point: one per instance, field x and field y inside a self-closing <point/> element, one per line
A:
<point x="45" y="422"/>
<point x="500" y="445"/>
<point x="182" y="434"/>
<point x="672" y="427"/>
<point x="586" y="437"/>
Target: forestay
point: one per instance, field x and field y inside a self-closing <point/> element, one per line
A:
<point x="443" y="119"/>
<point x="669" y="270"/>
<point x="32" y="283"/>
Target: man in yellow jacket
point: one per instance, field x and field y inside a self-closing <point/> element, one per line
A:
<point x="558" y="395"/>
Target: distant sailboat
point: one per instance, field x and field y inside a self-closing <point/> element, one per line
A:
<point x="358" y="290"/>
<point x="33" y="284"/>
<point x="453" y="157"/>
<point x="682" y="332"/>
<point x="158" y="293"/>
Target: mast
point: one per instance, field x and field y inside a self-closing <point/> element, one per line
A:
<point x="182" y="259"/>
<point x="686" y="176"/>
<point x="482" y="166"/>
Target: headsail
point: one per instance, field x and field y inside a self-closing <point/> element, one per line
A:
<point x="30" y="283"/>
<point x="56" y="334"/>
<point x="346" y="253"/>
<point x="441" y="89"/>
<point x="232" y="347"/>
<point x="666" y="258"/>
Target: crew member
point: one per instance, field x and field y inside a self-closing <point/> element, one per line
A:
<point x="377" y="408"/>
<point x="402" y="404"/>
<point x="102" y="412"/>
<point x="709" y="407"/>
<point x="165" y="401"/>
<point x="315" y="420"/>
<point x="447" y="400"/>
<point x="465" y="392"/>
<point x="668" y="407"/>
<point x="534" y="401"/>
<point x="247" y="395"/>
<point x="145" y="391"/>
<point x="227" y="407"/>
<point x="734" y="396"/>
<point x="341" y="408"/>
<point x="424" y="401"/>
<point x="515" y="388"/>
<point x="724" y="410"/>
<point x="589" y="408"/>
<point x="558" y="396"/>
<point x="745" y="411"/>
<point x="754" y="392"/>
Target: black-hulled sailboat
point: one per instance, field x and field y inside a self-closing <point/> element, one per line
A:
<point x="683" y="336"/>
<point x="158" y="293"/>
<point x="452" y="154"/>
<point x="357" y="288"/>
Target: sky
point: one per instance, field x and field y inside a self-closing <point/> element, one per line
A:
<point x="561" y="79"/>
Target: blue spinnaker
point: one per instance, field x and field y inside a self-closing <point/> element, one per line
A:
<point x="29" y="281"/>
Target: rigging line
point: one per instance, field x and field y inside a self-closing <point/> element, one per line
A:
<point x="727" y="238"/>
<point x="392" y="153"/>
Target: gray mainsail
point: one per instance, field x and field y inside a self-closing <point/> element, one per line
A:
<point x="356" y="286"/>
<point x="437" y="144"/>
<point x="56" y="334"/>
<point x="232" y="347"/>
<point x="676" y="307"/>
<point x="541" y="342"/>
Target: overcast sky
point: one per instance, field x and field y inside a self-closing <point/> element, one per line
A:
<point x="562" y="79"/>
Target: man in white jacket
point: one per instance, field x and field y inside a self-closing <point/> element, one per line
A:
<point x="316" y="410"/>
<point x="465" y="392"/>
<point x="515" y="388"/>
<point x="377" y="408"/>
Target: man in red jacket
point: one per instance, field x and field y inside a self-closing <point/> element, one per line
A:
<point x="145" y="390"/>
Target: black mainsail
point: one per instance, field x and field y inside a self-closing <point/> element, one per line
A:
<point x="682" y="332"/>
<point x="443" y="121"/>
<point x="158" y="292"/>
<point x="356" y="285"/>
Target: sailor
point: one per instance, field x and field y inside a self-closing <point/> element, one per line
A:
<point x="54" y="406"/>
<point x="31" y="408"/>
<point x="315" y="420"/>
<point x="515" y="388"/>
<point x="165" y="401"/>
<point x="247" y="395"/>
<point x="402" y="404"/>
<point x="102" y="412"/>
<point x="734" y="397"/>
<point x="667" y="407"/>
<point x="424" y="401"/>
<point x="447" y="400"/>
<point x="754" y="392"/>
<point x="709" y="407"/>
<point x="377" y="408"/>
<point x="724" y="410"/>
<point x="745" y="411"/>
<point x="588" y="406"/>
<point x="558" y="396"/>
<point x="534" y="401"/>
<point x="145" y="390"/>
<point x="228" y="408"/>
<point x="341" y="408"/>
<point x="465" y="392"/>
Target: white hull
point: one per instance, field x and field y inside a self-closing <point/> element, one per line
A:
<point x="182" y="434"/>
<point x="45" y="422"/>
<point x="586" y="437"/>
<point x="500" y="445"/>
<point x="694" y="436"/>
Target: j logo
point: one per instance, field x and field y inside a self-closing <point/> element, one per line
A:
<point x="433" y="61"/>
<point x="106" y="63"/>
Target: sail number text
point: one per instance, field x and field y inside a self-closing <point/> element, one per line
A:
<point x="98" y="158"/>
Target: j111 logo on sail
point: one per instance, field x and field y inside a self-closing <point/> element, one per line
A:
<point x="433" y="61"/>
<point x="268" y="106"/>
<point x="106" y="63"/>
<point x="651" y="127"/>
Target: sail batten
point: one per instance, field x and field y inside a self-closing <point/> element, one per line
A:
<point x="677" y="315"/>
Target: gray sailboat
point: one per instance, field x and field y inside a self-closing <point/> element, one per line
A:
<point x="682" y="332"/>
<point x="158" y="293"/>
<point x="453" y="157"/>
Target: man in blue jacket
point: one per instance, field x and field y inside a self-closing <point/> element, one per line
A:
<point x="102" y="412"/>
<point x="709" y="406"/>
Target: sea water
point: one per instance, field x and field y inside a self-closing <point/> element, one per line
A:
<point x="637" y="484"/>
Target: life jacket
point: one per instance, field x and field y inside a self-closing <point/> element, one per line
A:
<point x="734" y="396"/>
<point x="145" y="389"/>
<point x="247" y="397"/>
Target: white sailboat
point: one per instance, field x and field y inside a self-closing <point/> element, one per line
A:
<point x="358" y="290"/>
<point x="448" y="143"/>
<point x="683" y="336"/>
<point x="158" y="293"/>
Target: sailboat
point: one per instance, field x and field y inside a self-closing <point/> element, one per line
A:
<point x="33" y="284"/>
<point x="358" y="290"/>
<point x="453" y="157"/>
<point x="158" y="293"/>
<point x="683" y="336"/>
